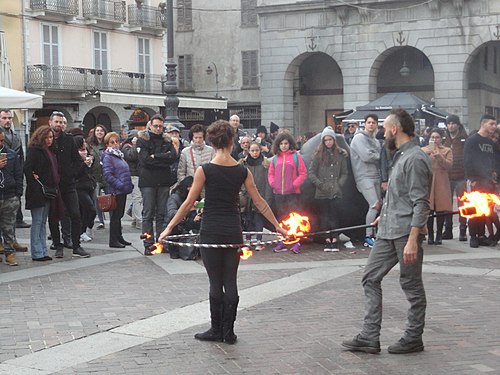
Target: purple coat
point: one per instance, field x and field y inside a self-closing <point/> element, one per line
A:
<point x="116" y="173"/>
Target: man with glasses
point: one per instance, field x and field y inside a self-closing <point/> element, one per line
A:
<point x="351" y="130"/>
<point x="11" y="188"/>
<point x="157" y="151"/>
<point x="70" y="164"/>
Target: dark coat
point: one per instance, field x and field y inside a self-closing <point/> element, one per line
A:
<point x="156" y="156"/>
<point x="131" y="156"/>
<point x="12" y="175"/>
<point x="69" y="161"/>
<point x="330" y="176"/>
<point x="37" y="162"/>
<point x="86" y="181"/>
<point x="117" y="174"/>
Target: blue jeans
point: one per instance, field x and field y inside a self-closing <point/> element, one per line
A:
<point x="255" y="223"/>
<point x="384" y="255"/>
<point x="38" y="233"/>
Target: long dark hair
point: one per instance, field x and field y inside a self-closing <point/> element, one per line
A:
<point x="39" y="135"/>
<point x="323" y="153"/>
<point x="92" y="139"/>
<point x="282" y="137"/>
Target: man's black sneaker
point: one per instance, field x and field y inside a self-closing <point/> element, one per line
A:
<point x="474" y="242"/>
<point x="403" y="346"/>
<point x="462" y="236"/>
<point x="360" y="344"/>
<point x="79" y="252"/>
<point x="22" y="224"/>
<point x="485" y="241"/>
<point x="447" y="235"/>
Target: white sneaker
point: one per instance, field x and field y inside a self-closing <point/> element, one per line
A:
<point x="85" y="238"/>
<point x="259" y="248"/>
<point x="89" y="232"/>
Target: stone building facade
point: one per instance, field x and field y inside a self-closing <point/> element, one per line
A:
<point x="315" y="58"/>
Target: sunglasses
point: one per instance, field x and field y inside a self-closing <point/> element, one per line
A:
<point x="157" y="126"/>
<point x="57" y="113"/>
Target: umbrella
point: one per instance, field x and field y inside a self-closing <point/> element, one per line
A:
<point x="5" y="74"/>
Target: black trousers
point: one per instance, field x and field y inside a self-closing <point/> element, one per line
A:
<point x="72" y="209"/>
<point x="222" y="266"/>
<point x="115" y="221"/>
<point x="329" y="212"/>
<point x="88" y="211"/>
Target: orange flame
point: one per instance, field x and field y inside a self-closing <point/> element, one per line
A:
<point x="245" y="253"/>
<point x="477" y="204"/>
<point x="145" y="236"/>
<point x="296" y="226"/>
<point x="156" y="248"/>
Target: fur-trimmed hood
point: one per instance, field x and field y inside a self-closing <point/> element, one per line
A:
<point x="146" y="135"/>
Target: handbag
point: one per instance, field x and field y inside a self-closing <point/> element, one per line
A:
<point x="48" y="192"/>
<point x="106" y="202"/>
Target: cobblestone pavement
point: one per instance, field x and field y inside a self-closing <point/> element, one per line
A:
<point x="120" y="312"/>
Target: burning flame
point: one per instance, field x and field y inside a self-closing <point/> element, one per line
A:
<point x="245" y="253"/>
<point x="156" y="248"/>
<point x="297" y="226"/>
<point x="145" y="236"/>
<point x="477" y="204"/>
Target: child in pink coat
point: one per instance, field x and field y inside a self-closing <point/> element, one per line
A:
<point x="287" y="172"/>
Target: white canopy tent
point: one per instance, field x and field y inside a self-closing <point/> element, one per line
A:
<point x="5" y="75"/>
<point x="15" y="99"/>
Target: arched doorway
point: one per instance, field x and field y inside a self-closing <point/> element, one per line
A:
<point x="483" y="82"/>
<point x="103" y="116"/>
<point x="41" y="117"/>
<point x="402" y="69"/>
<point x="318" y="91"/>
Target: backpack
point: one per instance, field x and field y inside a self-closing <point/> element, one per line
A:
<point x="295" y="159"/>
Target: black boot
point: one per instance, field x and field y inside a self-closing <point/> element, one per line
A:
<point x="439" y="230"/>
<point x="215" y="331"/>
<point x="123" y="241"/>
<point x="463" y="233"/>
<point x="229" y="316"/>
<point x="430" y="231"/>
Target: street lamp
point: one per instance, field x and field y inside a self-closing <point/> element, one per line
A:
<point x="209" y="72"/>
<point x="172" y="100"/>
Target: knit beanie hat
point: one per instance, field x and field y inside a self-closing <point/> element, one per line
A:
<point x="328" y="131"/>
<point x="261" y="129"/>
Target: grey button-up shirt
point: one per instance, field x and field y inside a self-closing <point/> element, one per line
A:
<point x="406" y="203"/>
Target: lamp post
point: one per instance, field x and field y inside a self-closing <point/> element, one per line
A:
<point x="171" y="100"/>
<point x="209" y="72"/>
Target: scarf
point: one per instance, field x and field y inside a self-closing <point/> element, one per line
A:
<point x="115" y="152"/>
<point x="253" y="162"/>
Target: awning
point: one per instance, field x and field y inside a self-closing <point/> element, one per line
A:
<point x="359" y="116"/>
<point x="158" y="100"/>
<point x="19" y="99"/>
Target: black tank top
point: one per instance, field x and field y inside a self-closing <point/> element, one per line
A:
<point x="221" y="214"/>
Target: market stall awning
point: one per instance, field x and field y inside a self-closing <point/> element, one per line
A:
<point x="157" y="100"/>
<point x="15" y="99"/>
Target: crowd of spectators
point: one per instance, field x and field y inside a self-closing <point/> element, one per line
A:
<point x="154" y="169"/>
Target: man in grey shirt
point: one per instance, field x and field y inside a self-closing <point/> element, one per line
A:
<point x="401" y="228"/>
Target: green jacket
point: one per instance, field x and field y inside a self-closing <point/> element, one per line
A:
<point x="329" y="176"/>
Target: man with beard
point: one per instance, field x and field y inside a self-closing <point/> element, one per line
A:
<point x="70" y="165"/>
<point x="401" y="228"/>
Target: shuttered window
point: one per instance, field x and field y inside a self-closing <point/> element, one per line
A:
<point x="184" y="15"/>
<point x="185" y="66"/>
<point x="250" y="69"/>
<point x="248" y="12"/>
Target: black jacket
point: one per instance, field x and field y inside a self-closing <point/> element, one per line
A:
<point x="36" y="162"/>
<point x="69" y="160"/>
<point x="155" y="171"/>
<point x="131" y="156"/>
<point x="12" y="175"/>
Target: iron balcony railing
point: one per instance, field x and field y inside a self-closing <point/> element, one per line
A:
<point x="67" y="7"/>
<point x="108" y="10"/>
<point x="68" y="78"/>
<point x="146" y="16"/>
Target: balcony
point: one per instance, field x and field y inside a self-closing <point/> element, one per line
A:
<point x="107" y="13"/>
<point x="146" y="19"/>
<point x="54" y="10"/>
<point x="42" y="77"/>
